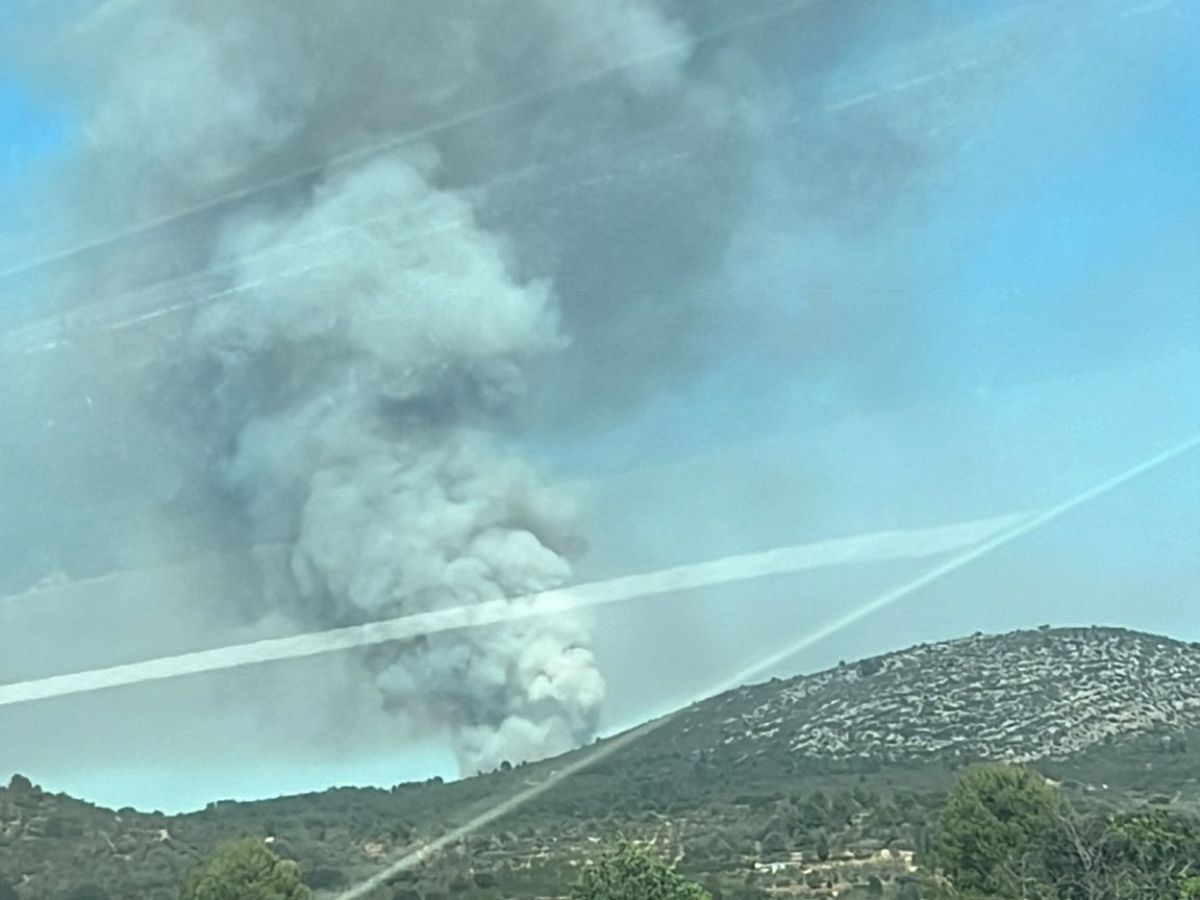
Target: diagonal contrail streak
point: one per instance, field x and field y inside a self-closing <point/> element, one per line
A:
<point x="876" y="547"/>
<point x="1018" y="529"/>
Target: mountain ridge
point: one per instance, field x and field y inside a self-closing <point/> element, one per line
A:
<point x="1072" y="688"/>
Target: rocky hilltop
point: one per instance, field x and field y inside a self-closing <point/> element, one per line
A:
<point x="1046" y="694"/>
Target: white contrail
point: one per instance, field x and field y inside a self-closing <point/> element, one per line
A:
<point x="877" y="547"/>
<point x="765" y="664"/>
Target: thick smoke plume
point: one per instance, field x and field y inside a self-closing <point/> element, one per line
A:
<point x="361" y="325"/>
<point x="350" y="393"/>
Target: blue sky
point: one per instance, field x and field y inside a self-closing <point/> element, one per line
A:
<point x="29" y="131"/>
<point x="32" y="134"/>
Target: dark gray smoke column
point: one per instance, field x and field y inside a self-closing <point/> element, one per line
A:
<point x="361" y="331"/>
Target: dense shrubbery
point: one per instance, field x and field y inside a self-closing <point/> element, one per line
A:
<point x="1006" y="833"/>
<point x="992" y="829"/>
<point x="634" y="873"/>
<point x="245" y="870"/>
<point x="719" y="817"/>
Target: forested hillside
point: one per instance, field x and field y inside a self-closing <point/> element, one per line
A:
<point x="796" y="787"/>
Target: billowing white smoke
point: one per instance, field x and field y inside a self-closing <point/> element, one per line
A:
<point x="365" y="330"/>
<point x="350" y="387"/>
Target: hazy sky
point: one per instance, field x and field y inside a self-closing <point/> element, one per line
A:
<point x="1013" y="316"/>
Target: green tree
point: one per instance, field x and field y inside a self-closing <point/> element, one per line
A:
<point x="993" y="829"/>
<point x="7" y="891"/>
<point x="822" y="846"/>
<point x="1142" y="855"/>
<point x="1156" y="853"/>
<point x="634" y="873"/>
<point x="245" y="870"/>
